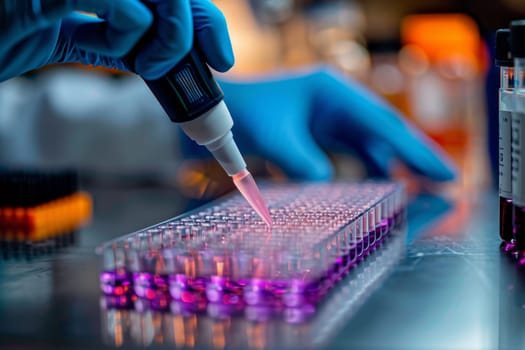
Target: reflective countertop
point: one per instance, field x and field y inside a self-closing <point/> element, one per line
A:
<point x="452" y="288"/>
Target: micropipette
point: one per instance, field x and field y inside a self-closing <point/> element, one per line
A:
<point x="192" y="98"/>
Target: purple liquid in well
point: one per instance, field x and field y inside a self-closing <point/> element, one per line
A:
<point x="255" y="295"/>
<point x="383" y="226"/>
<point x="187" y="290"/>
<point x="150" y="286"/>
<point x="222" y="290"/>
<point x="505" y="219"/>
<point x="378" y="233"/>
<point x="372" y="238"/>
<point x="117" y="282"/>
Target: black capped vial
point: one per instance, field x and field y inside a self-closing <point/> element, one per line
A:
<point x="517" y="39"/>
<point x="504" y="61"/>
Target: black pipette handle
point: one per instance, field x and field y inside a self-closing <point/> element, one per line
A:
<point x="188" y="90"/>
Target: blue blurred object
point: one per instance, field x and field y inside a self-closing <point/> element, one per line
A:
<point x="292" y="119"/>
<point x="40" y="32"/>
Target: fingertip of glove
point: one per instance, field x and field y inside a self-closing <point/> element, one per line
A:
<point x="446" y="169"/>
<point x="223" y="62"/>
<point x="143" y="16"/>
<point x="217" y="49"/>
<point x="446" y="172"/>
<point x="440" y="169"/>
<point x="212" y="34"/>
<point x="126" y="23"/>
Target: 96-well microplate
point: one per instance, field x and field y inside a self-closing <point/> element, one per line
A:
<point x="223" y="253"/>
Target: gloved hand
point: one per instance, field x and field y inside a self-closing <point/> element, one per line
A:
<point x="292" y="119"/>
<point x="34" y="33"/>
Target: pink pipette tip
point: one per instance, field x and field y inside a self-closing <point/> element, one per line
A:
<point x="245" y="183"/>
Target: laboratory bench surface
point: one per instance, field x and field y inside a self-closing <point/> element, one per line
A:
<point x="452" y="287"/>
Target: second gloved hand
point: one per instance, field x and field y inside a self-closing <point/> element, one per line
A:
<point x="34" y="33"/>
<point x="292" y="119"/>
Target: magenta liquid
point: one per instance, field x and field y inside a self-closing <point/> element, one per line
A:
<point x="519" y="227"/>
<point x="116" y="282"/>
<point x="505" y="220"/>
<point x="150" y="286"/>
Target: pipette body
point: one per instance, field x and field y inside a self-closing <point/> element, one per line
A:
<point x="192" y="98"/>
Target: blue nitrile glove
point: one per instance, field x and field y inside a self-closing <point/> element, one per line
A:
<point x="34" y="33"/>
<point x="292" y="119"/>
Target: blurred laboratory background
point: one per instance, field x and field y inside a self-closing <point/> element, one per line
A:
<point x="431" y="60"/>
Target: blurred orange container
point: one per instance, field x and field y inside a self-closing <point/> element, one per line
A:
<point x="444" y="58"/>
<point x="46" y="221"/>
